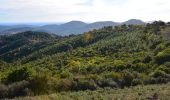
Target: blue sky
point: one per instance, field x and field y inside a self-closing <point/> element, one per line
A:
<point x="84" y="10"/>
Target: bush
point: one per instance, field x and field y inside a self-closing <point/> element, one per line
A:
<point x="164" y="68"/>
<point x="127" y="78"/>
<point x="3" y="91"/>
<point x="38" y="84"/>
<point x="63" y="85"/>
<point x="120" y="67"/>
<point x="65" y="74"/>
<point x="23" y="73"/>
<point x="14" y="89"/>
<point x="108" y="83"/>
<point x="158" y="80"/>
<point x="18" y="89"/>
<point x="113" y="75"/>
<point x="163" y="56"/>
<point x="167" y="64"/>
<point x="85" y="85"/>
<point x="136" y="82"/>
<point x="147" y="59"/>
<point x="162" y="80"/>
<point x="158" y="73"/>
<point x="140" y="67"/>
<point x="94" y="77"/>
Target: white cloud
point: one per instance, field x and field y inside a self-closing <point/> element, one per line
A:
<point x="85" y="10"/>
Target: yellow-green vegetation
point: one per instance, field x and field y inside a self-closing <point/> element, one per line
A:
<point x="112" y="57"/>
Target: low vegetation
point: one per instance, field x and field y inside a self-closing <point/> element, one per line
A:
<point x="149" y="92"/>
<point x="98" y="62"/>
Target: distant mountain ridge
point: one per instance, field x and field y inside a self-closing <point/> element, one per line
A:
<point x="133" y="21"/>
<point x="72" y="27"/>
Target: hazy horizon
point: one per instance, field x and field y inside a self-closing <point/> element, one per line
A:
<point x="30" y="23"/>
<point x="59" y="23"/>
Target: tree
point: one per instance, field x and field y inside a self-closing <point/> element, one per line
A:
<point x="87" y="37"/>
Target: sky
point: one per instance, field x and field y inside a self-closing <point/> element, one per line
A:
<point x="83" y="10"/>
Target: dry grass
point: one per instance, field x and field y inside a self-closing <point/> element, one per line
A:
<point x="149" y="92"/>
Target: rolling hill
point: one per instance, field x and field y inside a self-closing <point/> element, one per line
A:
<point x="19" y="45"/>
<point x="106" y="59"/>
<point x="73" y="27"/>
<point x="134" y="21"/>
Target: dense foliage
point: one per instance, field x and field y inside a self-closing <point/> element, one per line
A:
<point x="116" y="57"/>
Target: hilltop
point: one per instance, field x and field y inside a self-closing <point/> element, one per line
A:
<point x="72" y="27"/>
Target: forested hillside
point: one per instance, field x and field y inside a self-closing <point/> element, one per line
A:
<point x="17" y="46"/>
<point x="35" y="63"/>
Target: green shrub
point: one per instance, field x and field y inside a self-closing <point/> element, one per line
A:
<point x="44" y="83"/>
<point x="113" y="75"/>
<point x="136" y="82"/>
<point x="65" y="74"/>
<point x="94" y="77"/>
<point x="120" y="67"/>
<point x="63" y="85"/>
<point x="163" y="56"/>
<point x="127" y="78"/>
<point x="147" y="59"/>
<point x="23" y="73"/>
<point x="85" y="85"/>
<point x="39" y="84"/>
<point x="140" y="67"/>
<point x="164" y="68"/>
<point x="158" y="73"/>
<point x="167" y="64"/>
<point x="162" y="80"/>
<point x="158" y="80"/>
